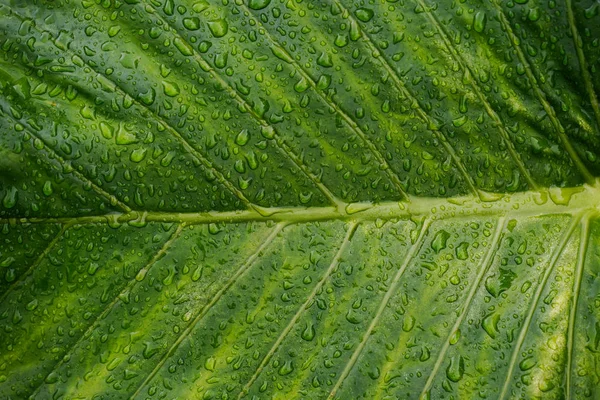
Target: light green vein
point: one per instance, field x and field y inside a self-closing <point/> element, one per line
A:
<point x="475" y="285"/>
<point x="583" y="246"/>
<point x="139" y="276"/>
<point x="482" y="98"/>
<point x="514" y="41"/>
<point x="331" y="103"/>
<point x="530" y="203"/>
<point x="334" y="263"/>
<point x="587" y="79"/>
<point x="186" y="332"/>
<point x="533" y="305"/>
<point x="414" y="250"/>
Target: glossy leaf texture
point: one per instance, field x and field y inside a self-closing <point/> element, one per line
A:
<point x="261" y="199"/>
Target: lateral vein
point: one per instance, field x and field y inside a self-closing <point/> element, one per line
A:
<point x="534" y="302"/>
<point x="475" y="86"/>
<point x="186" y="332"/>
<point x="282" y="146"/>
<point x="583" y="247"/>
<point x="431" y="124"/>
<point x="539" y="92"/>
<point x="334" y="106"/>
<point x="414" y="250"/>
<point x="334" y="263"/>
<point x="144" y="270"/>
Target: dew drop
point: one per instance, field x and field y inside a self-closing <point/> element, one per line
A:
<point x="439" y="241"/>
<point x="47" y="189"/>
<point x="456" y="369"/>
<point x="10" y="198"/>
<point x="364" y="14"/>
<point x="242" y="138"/>
<point x="192" y="24"/>
<point x="308" y="333"/>
<point x="218" y="28"/>
<point x="170" y="89"/>
<point x="479" y="21"/>
<point x="258" y="4"/>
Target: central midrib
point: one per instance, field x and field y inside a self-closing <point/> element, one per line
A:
<point x="548" y="201"/>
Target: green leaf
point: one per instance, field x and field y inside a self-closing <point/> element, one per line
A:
<point x="267" y="199"/>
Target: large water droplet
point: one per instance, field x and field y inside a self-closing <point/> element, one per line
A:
<point x="439" y="241"/>
<point x="364" y="14"/>
<point x="258" y="4"/>
<point x="10" y="198"/>
<point x="308" y="333"/>
<point x="456" y="369"/>
<point x="218" y="28"/>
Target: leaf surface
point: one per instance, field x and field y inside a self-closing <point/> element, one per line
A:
<point x="270" y="199"/>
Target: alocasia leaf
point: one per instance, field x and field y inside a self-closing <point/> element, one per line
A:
<point x="343" y="199"/>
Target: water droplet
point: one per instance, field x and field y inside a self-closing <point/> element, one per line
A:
<point x="258" y="4"/>
<point x="138" y="155"/>
<point x="309" y="332"/>
<point x="527" y="363"/>
<point x="213" y="228"/>
<point x="562" y="196"/>
<point x="286" y="368"/>
<point x="301" y="85"/>
<point x="106" y="130"/>
<point x="324" y="60"/>
<point x="125" y="137"/>
<point x="218" y="28"/>
<point x="281" y="54"/>
<point x="364" y="14"/>
<point x="52" y="378"/>
<point x="305" y="197"/>
<point x="210" y="363"/>
<point x="148" y="97"/>
<point x="47" y="189"/>
<point x="150" y="349"/>
<point x="242" y="138"/>
<point x="10" y="198"/>
<point x="439" y="241"/>
<point x="200" y="6"/>
<point x="352" y="317"/>
<point x="183" y="47"/>
<point x="267" y="131"/>
<point x="192" y="24"/>
<point x="495" y="286"/>
<point x="456" y="369"/>
<point x="170" y="89"/>
<point x="479" y="21"/>
<point x="341" y="40"/>
<point x="408" y="323"/>
<point x="490" y="325"/>
<point x="462" y="251"/>
<point x="460" y="121"/>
